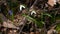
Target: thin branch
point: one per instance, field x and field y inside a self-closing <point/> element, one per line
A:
<point x="34" y="3"/>
<point x="24" y="20"/>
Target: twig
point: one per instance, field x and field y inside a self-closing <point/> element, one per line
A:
<point x="21" y="29"/>
<point x="24" y="20"/>
<point x="34" y="3"/>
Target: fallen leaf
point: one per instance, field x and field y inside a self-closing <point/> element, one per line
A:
<point x="52" y="2"/>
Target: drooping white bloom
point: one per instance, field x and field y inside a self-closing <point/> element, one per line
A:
<point x="33" y="12"/>
<point x="21" y="6"/>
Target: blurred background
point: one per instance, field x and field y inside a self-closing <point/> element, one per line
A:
<point x="29" y="16"/>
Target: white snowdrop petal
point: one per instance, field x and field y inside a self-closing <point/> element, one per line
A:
<point x="21" y="6"/>
<point x="33" y="12"/>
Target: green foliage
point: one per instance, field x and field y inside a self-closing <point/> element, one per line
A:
<point x="12" y="17"/>
<point x="39" y="23"/>
<point x="46" y="14"/>
<point x="58" y="27"/>
<point x="58" y="17"/>
<point x="12" y="4"/>
<point x="0" y="32"/>
<point x="1" y="21"/>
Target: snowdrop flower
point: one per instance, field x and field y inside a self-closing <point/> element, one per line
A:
<point x="21" y="6"/>
<point x="33" y="12"/>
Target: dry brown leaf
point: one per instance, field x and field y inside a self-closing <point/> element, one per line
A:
<point x="31" y="32"/>
<point x="9" y="25"/>
<point x="52" y="2"/>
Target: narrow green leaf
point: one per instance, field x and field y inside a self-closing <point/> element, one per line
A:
<point x="39" y="23"/>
